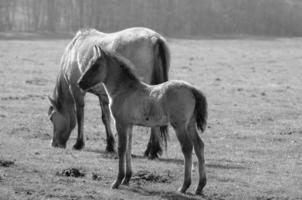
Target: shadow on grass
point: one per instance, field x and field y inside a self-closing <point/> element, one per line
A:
<point x="163" y="194"/>
<point x="216" y="165"/>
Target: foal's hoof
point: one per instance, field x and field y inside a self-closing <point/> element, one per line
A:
<point x="79" y="145"/>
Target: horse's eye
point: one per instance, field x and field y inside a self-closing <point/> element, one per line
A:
<point x="50" y="116"/>
<point x="50" y="110"/>
<point x="50" y="113"/>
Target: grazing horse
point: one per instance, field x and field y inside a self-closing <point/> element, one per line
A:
<point x="133" y="102"/>
<point x="142" y="46"/>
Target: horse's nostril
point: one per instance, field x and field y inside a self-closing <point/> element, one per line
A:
<point x="56" y="145"/>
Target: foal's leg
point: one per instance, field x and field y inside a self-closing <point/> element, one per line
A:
<point x="199" y="151"/>
<point x="106" y="118"/>
<point x="122" y="142"/>
<point x="186" y="147"/>
<point x="128" y="158"/>
<point x="153" y="148"/>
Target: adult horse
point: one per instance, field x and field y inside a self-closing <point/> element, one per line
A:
<point x="136" y="103"/>
<point x="142" y="46"/>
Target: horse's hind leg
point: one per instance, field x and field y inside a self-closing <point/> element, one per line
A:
<point x="122" y="142"/>
<point x="106" y="118"/>
<point x="199" y="151"/>
<point x="186" y="147"/>
<point x="153" y="148"/>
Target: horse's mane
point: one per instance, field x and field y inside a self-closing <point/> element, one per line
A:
<point x="58" y="91"/>
<point x="59" y="88"/>
<point x="81" y="34"/>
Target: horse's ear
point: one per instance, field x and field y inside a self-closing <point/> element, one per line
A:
<point x="52" y="102"/>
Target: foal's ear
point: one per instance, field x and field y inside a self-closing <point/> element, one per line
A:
<point x="99" y="51"/>
<point x="52" y="102"/>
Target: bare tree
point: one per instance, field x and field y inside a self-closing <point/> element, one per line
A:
<point x="51" y="15"/>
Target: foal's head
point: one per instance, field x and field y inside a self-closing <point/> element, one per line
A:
<point x="96" y="72"/>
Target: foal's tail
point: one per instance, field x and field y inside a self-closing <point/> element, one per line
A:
<point x="201" y="109"/>
<point x="161" y="61"/>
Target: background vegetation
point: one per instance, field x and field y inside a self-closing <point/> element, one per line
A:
<point x="171" y="17"/>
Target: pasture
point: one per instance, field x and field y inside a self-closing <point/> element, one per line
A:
<point x="253" y="142"/>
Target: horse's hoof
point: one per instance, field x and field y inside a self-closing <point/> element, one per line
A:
<point x="110" y="149"/>
<point x="153" y="152"/>
<point x="115" y="185"/>
<point x="146" y="154"/>
<point x="79" y="145"/>
<point x="125" y="182"/>
<point x="110" y="145"/>
<point x="153" y="156"/>
<point x="199" y="192"/>
<point x="182" y="190"/>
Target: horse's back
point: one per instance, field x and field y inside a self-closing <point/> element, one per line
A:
<point x="136" y="44"/>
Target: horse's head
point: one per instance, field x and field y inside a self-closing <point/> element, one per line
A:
<point x="61" y="125"/>
<point x="96" y="72"/>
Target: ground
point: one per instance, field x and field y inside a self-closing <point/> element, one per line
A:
<point x="252" y="142"/>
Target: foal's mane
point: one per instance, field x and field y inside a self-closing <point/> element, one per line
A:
<point x="126" y="65"/>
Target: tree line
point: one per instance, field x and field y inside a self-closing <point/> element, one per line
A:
<point x="171" y="17"/>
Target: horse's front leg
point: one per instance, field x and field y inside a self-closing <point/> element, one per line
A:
<point x="154" y="148"/>
<point x="122" y="142"/>
<point x="80" y="119"/>
<point x="106" y="118"/>
<point x="80" y="104"/>
<point x="128" y="158"/>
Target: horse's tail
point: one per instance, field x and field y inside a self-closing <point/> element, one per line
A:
<point x="161" y="63"/>
<point x="164" y="135"/>
<point x="201" y="109"/>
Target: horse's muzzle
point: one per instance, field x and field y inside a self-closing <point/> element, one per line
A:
<point x="56" y="145"/>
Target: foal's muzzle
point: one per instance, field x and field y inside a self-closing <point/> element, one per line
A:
<point x="82" y="85"/>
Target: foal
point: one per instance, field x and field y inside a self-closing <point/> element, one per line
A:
<point x="136" y="103"/>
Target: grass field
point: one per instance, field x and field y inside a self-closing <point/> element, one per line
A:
<point x="253" y="140"/>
